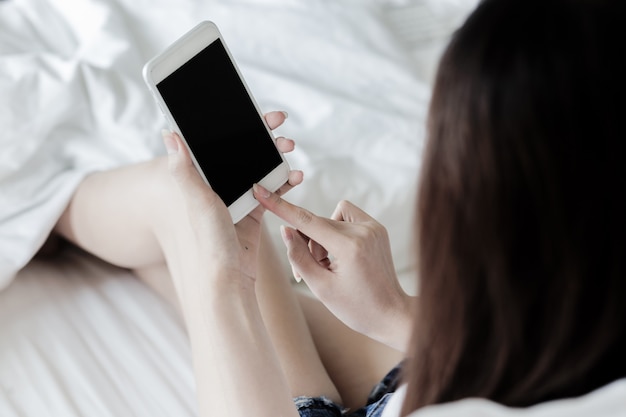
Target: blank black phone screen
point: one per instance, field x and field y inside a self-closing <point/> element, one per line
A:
<point x="220" y="122"/>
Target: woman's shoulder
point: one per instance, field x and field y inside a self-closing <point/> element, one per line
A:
<point x="608" y="401"/>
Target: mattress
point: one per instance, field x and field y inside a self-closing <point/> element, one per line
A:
<point x="80" y="337"/>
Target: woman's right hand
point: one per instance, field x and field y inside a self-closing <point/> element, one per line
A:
<point x="346" y="262"/>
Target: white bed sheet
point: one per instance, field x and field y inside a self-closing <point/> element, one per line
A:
<point x="83" y="338"/>
<point x="70" y="78"/>
<point x="80" y="338"/>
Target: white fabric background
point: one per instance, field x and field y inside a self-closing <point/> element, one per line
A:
<point x="73" y="101"/>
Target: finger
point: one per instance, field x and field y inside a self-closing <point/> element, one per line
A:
<point x="183" y="170"/>
<point x="180" y="163"/>
<point x="275" y="118"/>
<point x="285" y="145"/>
<point x="319" y="252"/>
<point x="295" y="178"/>
<point x="287" y="237"/>
<point x="348" y="212"/>
<point x="303" y="264"/>
<point x="303" y="236"/>
<point x="256" y="214"/>
<point x="296" y="275"/>
<point x="317" y="228"/>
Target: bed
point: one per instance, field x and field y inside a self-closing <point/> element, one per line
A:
<point x="354" y="76"/>
<point x="80" y="337"/>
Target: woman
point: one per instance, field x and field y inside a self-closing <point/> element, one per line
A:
<point x="520" y="225"/>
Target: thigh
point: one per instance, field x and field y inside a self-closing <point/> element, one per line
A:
<point x="114" y="214"/>
<point x="122" y="216"/>
<point x="354" y="362"/>
<point x="318" y="353"/>
<point x="286" y="323"/>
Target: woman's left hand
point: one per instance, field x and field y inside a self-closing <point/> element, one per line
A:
<point x="214" y="269"/>
<point x="207" y="238"/>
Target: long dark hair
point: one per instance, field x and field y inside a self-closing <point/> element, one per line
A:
<point x="521" y="220"/>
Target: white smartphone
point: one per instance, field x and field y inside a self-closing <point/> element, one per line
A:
<point x="205" y="99"/>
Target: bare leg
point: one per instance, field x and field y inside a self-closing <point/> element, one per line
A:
<point x="113" y="214"/>
<point x="354" y="361"/>
<point x="288" y="328"/>
<point x="122" y="217"/>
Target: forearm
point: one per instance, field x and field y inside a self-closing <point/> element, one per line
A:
<point x="237" y="370"/>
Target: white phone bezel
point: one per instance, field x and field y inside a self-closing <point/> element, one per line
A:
<point x="174" y="56"/>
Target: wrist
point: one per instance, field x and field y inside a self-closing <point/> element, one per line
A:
<point x="398" y="335"/>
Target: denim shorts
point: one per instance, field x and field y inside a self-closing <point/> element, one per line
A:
<point x="376" y="401"/>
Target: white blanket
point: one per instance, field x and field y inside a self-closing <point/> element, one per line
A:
<point x="74" y="102"/>
<point x="79" y="338"/>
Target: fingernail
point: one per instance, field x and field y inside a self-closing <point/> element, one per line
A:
<point x="171" y="146"/>
<point x="261" y="191"/>
<point x="285" y="114"/>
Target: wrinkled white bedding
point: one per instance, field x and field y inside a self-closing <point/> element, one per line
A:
<point x="80" y="338"/>
<point x="74" y="101"/>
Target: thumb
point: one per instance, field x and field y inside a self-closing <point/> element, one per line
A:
<point x="181" y="166"/>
